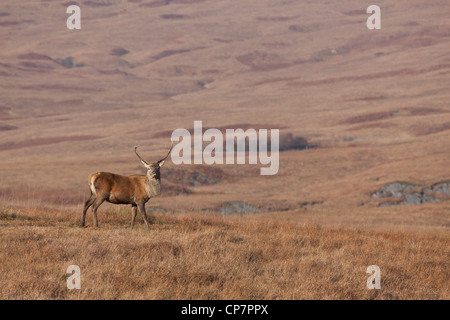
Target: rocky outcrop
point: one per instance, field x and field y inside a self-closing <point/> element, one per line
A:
<point x="400" y="192"/>
<point x="237" y="207"/>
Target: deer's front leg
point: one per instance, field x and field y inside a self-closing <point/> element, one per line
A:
<point x="133" y="214"/>
<point x="144" y="215"/>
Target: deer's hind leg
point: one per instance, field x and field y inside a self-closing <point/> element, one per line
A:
<point x="96" y="204"/>
<point x="87" y="204"/>
<point x="133" y="214"/>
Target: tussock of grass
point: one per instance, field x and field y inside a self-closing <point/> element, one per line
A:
<point x="209" y="257"/>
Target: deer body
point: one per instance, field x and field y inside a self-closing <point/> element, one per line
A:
<point x="118" y="189"/>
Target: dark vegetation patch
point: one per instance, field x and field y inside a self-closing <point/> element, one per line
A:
<point x="97" y="3"/>
<point x="8" y="215"/>
<point x="172" y="16"/>
<point x="186" y="1"/>
<point x="222" y="40"/>
<point x="9" y="23"/>
<point x="368" y="98"/>
<point x="119" y="52"/>
<point x="36" y="65"/>
<point x="112" y="72"/>
<point x="369" y="117"/>
<point x="70" y="103"/>
<point x="204" y="82"/>
<point x="177" y="181"/>
<point x="290" y="142"/>
<point x="281" y="206"/>
<point x="34" y="56"/>
<point x="7" y="127"/>
<point x="168" y="53"/>
<point x="70" y="3"/>
<point x="299" y="28"/>
<point x="160" y="3"/>
<point x="304" y="28"/>
<point x="37" y="60"/>
<point x="305" y="205"/>
<point x="67" y="62"/>
<point x="369" y="120"/>
<point x="60" y="87"/>
<point x="196" y="175"/>
<point x="425" y="130"/>
<point x="372" y="125"/>
<point x="276" y="44"/>
<point x="422" y="111"/>
<point x="273" y="80"/>
<point x="275" y="18"/>
<point x="155" y="4"/>
<point x="5" y="65"/>
<point x="263" y="61"/>
<point x="401" y="192"/>
<point x="357" y="12"/>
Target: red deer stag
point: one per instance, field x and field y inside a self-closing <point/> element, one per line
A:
<point x="117" y="189"/>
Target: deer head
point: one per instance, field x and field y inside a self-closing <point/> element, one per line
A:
<point x="153" y="169"/>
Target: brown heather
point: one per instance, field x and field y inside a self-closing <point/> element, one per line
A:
<point x="213" y="257"/>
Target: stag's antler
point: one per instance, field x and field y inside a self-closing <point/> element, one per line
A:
<point x="135" y="150"/>
<point x="163" y="159"/>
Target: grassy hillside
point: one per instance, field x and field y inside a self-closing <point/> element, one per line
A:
<point x="212" y="257"/>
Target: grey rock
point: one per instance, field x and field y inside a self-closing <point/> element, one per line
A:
<point x="237" y="207"/>
<point x="398" y="193"/>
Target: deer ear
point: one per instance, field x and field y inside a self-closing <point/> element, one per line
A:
<point x="145" y="164"/>
<point x="161" y="163"/>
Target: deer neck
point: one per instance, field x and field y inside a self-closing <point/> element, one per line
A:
<point x="153" y="186"/>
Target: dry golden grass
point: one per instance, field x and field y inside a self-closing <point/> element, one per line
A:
<point x="213" y="257"/>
